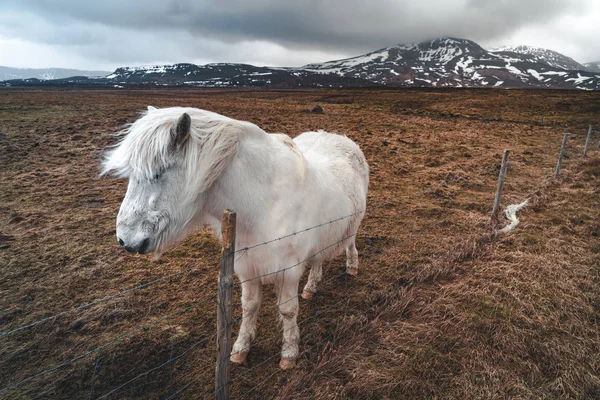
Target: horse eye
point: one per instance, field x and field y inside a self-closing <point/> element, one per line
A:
<point x="158" y="175"/>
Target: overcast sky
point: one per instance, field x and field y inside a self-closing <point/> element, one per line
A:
<point x="110" y="33"/>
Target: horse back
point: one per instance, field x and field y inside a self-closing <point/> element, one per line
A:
<point x="334" y="152"/>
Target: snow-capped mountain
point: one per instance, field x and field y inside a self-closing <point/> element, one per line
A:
<point x="229" y="75"/>
<point x="443" y="62"/>
<point x="7" y="73"/>
<point x="209" y="75"/>
<point x="537" y="54"/>
<point x="463" y="63"/>
<point x="592" y="66"/>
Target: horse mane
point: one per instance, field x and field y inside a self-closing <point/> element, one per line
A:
<point x="144" y="150"/>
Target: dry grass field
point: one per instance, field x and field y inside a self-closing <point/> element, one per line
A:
<point x="441" y="308"/>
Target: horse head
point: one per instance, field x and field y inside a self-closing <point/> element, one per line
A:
<point x="171" y="157"/>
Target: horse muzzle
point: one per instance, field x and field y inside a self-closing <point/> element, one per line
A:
<point x="142" y="247"/>
<point x="135" y="241"/>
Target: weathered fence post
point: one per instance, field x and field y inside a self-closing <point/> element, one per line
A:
<point x="224" y="309"/>
<point x="587" y="141"/>
<point x="560" y="156"/>
<point x="500" y="186"/>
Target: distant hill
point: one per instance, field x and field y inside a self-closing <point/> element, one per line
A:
<point x="8" y="73"/>
<point x="229" y="75"/>
<point x="443" y="62"/>
<point x="592" y="66"/>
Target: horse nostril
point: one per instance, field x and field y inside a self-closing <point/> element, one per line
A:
<point x="144" y="246"/>
<point x="121" y="242"/>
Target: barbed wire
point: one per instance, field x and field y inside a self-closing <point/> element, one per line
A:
<point x="284" y="330"/>
<point x="121" y="337"/>
<point x="187" y="351"/>
<point x="167" y="277"/>
<point x="330" y="336"/>
<point x="105" y="299"/>
<point x="279" y="303"/>
<point x="169" y="361"/>
<point x="304" y="321"/>
<point x="103" y="346"/>
<point x="299" y="263"/>
<point x="230" y="323"/>
<point x="181" y="390"/>
<point x="273" y="337"/>
<point x="147" y="284"/>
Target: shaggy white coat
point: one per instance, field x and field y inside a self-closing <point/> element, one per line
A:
<point x="275" y="184"/>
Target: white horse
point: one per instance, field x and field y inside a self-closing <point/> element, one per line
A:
<point x="185" y="166"/>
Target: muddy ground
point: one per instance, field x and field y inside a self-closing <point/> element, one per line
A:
<point x="441" y="308"/>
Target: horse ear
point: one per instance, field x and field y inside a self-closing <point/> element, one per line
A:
<point x="181" y="131"/>
<point x="151" y="108"/>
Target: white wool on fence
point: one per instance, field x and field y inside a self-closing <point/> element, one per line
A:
<point x="511" y="214"/>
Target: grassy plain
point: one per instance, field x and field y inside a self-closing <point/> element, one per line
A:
<point x="441" y="308"/>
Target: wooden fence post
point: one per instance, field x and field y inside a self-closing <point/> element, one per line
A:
<point x="224" y="309"/>
<point x="587" y="141"/>
<point x="500" y="186"/>
<point x="560" y="156"/>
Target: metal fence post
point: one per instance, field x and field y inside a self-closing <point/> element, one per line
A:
<point x="560" y="156"/>
<point x="224" y="309"/>
<point x="587" y="141"/>
<point x="500" y="186"/>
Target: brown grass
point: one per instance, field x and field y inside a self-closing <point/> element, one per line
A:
<point x="442" y="308"/>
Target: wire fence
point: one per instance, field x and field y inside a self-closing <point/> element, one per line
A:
<point x="236" y="255"/>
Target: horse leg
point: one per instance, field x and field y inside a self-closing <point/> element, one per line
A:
<point x="251" y="299"/>
<point x="288" y="313"/>
<point x="314" y="277"/>
<point x="352" y="258"/>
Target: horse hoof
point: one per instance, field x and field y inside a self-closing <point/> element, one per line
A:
<point x="306" y="295"/>
<point x="238" y="358"/>
<point x="353" y="271"/>
<point x="287" y="364"/>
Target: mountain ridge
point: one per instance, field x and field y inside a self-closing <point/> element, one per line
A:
<point x="441" y="62"/>
<point x="455" y="62"/>
<point x="11" y="73"/>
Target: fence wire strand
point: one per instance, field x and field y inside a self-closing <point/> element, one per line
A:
<point x="169" y="361"/>
<point x="147" y="284"/>
<point x="105" y="299"/>
<point x="181" y="390"/>
<point x="113" y="341"/>
<point x="178" y="273"/>
<point x="330" y="336"/>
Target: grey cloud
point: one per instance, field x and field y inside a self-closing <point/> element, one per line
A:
<point x="351" y="25"/>
<point x="182" y="30"/>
